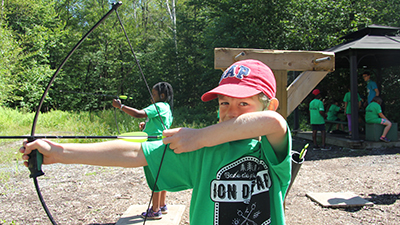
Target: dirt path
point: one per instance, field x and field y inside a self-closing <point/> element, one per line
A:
<point x="372" y="174"/>
<point x="78" y="194"/>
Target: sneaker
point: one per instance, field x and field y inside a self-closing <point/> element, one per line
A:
<point x="384" y="139"/>
<point x="324" y="148"/>
<point x="151" y="215"/>
<point x="164" y="209"/>
<point x="316" y="147"/>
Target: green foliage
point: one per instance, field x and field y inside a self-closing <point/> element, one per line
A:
<point x="390" y="85"/>
<point x="386" y="12"/>
<point x="196" y="117"/>
<point x="38" y="34"/>
<point x="19" y="121"/>
<point x="36" y="30"/>
<point x="12" y="122"/>
<point x="246" y="23"/>
<point x="8" y="60"/>
<point x="318" y="25"/>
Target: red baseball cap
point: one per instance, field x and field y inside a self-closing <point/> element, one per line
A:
<point x="244" y="79"/>
<point x="316" y="92"/>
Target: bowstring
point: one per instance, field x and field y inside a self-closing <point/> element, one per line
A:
<point x="158" y="112"/>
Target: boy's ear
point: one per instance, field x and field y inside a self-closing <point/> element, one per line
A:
<point x="273" y="104"/>
<point x="162" y="96"/>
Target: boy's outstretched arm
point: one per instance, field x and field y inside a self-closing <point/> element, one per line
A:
<point x="112" y="153"/>
<point x="249" y="125"/>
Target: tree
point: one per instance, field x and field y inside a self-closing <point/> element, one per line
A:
<point x="9" y="58"/>
<point x="36" y="29"/>
<point x="174" y="42"/>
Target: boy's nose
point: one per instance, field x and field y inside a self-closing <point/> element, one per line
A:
<point x="233" y="112"/>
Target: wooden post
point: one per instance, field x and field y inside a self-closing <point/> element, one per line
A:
<point x="281" y="93"/>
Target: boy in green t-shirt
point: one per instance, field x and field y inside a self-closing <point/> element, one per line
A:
<point x="317" y="119"/>
<point x="239" y="169"/>
<point x="373" y="114"/>
<point x="333" y="113"/>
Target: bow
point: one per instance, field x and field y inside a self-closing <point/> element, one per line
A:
<point x="36" y="158"/>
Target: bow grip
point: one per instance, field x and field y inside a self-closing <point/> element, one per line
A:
<point x="35" y="162"/>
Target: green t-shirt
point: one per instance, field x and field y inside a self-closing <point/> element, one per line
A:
<point x="231" y="182"/>
<point x="347" y="98"/>
<point x="332" y="113"/>
<point x="315" y="107"/>
<point x="153" y="123"/>
<point x="372" y="111"/>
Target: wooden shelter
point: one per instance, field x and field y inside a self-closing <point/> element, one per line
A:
<point x="313" y="64"/>
<point x="375" y="47"/>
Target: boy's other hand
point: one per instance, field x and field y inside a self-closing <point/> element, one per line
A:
<point x="46" y="147"/>
<point x="182" y="140"/>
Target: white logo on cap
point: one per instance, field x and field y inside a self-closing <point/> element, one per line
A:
<point x="241" y="72"/>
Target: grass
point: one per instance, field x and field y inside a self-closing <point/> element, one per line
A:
<point x="16" y="123"/>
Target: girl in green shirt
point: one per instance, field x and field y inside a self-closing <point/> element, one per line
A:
<point x="158" y="118"/>
<point x="373" y="114"/>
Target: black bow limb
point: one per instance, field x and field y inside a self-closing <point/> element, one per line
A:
<point x="36" y="159"/>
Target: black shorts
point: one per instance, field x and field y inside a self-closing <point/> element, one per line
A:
<point x="319" y="127"/>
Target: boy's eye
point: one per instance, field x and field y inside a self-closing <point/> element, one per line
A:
<point x="224" y="103"/>
<point x="244" y="104"/>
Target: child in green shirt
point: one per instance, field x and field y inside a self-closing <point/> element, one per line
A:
<point x="347" y="107"/>
<point x="333" y="113"/>
<point x="373" y="114"/>
<point x="160" y="109"/>
<point x="317" y="119"/>
<point x="239" y="169"/>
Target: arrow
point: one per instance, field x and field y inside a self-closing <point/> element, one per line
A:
<point x="88" y="93"/>
<point x="131" y="137"/>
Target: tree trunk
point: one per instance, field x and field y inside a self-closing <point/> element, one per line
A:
<point x="172" y="14"/>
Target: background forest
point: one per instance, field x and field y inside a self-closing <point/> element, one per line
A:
<point x="174" y="41"/>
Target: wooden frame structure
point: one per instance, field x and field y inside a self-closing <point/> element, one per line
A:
<point x="314" y="64"/>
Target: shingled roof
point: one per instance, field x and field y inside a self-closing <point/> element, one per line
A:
<point x="375" y="46"/>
